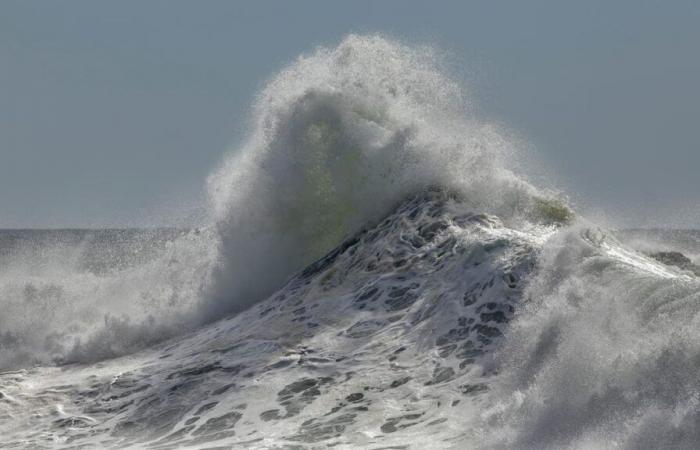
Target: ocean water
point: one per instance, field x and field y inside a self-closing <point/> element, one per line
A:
<point x="377" y="273"/>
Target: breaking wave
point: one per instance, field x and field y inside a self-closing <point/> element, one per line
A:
<point x="337" y="139"/>
<point x="371" y="243"/>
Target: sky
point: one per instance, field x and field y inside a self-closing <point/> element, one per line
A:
<point x="113" y="113"/>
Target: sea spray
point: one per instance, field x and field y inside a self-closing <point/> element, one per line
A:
<point x="339" y="138"/>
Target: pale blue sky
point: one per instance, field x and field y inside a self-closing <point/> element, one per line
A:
<point x="113" y="113"/>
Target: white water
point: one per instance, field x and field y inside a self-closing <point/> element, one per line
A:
<point x="69" y="296"/>
<point x="600" y="347"/>
<point x="606" y="353"/>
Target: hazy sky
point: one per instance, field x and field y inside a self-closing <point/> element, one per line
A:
<point x="113" y="113"/>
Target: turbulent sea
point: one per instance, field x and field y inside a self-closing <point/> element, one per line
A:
<point x="376" y="273"/>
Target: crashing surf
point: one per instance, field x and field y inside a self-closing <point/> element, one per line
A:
<point x="376" y="273"/>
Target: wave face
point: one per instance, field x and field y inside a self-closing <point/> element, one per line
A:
<point x="375" y="275"/>
<point x="388" y="339"/>
<point x="440" y="327"/>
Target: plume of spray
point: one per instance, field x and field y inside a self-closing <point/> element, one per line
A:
<point x="339" y="137"/>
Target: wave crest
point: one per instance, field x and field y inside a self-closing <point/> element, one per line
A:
<point x="339" y="137"/>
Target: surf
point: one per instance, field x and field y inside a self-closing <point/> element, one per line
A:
<point x="377" y="271"/>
